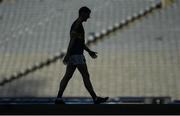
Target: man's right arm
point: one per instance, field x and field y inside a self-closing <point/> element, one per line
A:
<point x="74" y="35"/>
<point x="66" y="58"/>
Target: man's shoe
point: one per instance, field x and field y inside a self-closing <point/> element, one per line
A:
<point x="59" y="101"/>
<point x="99" y="100"/>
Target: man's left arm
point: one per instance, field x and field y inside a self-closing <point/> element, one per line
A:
<point x="91" y="53"/>
<point x="86" y="48"/>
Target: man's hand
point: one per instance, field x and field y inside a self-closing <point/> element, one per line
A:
<point x="65" y="60"/>
<point x="93" y="54"/>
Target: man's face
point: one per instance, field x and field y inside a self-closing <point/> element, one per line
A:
<point x="86" y="16"/>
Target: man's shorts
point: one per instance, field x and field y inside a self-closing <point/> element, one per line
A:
<point x="77" y="59"/>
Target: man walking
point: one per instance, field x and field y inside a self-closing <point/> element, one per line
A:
<point x="75" y="58"/>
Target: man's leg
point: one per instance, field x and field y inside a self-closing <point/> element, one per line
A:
<point x="69" y="72"/>
<point x="86" y="79"/>
<point x="85" y="74"/>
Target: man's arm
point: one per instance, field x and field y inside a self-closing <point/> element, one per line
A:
<point x="70" y="46"/>
<point x="71" y="43"/>
<point x="86" y="48"/>
<point x="91" y="53"/>
<point x="74" y="35"/>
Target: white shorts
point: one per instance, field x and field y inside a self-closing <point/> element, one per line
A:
<point x="77" y="59"/>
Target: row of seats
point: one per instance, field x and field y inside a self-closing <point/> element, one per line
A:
<point x="123" y="66"/>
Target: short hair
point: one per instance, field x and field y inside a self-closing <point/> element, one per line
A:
<point x="84" y="9"/>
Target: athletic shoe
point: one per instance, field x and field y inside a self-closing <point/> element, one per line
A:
<point x="59" y="101"/>
<point x="100" y="100"/>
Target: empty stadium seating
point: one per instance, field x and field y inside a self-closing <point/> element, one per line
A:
<point x="140" y="59"/>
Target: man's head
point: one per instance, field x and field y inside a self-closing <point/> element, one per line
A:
<point x="84" y="13"/>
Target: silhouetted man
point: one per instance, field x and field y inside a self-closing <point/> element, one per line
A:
<point x="75" y="59"/>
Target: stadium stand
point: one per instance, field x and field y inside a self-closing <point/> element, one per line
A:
<point x="138" y="55"/>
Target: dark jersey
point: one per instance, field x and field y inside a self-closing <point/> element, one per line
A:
<point x="78" y="45"/>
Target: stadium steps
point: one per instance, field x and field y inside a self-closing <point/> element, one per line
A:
<point x="91" y="40"/>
